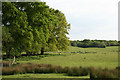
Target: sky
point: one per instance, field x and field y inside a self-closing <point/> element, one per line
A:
<point x="89" y="19"/>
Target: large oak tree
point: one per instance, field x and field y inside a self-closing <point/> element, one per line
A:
<point x="32" y="27"/>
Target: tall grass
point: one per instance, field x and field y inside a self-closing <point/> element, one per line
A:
<point x="6" y="63"/>
<point x="103" y="73"/>
<point x="70" y="71"/>
<point x="75" y="71"/>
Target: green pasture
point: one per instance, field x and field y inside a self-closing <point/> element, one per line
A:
<point x="85" y="57"/>
<point x="43" y="76"/>
<point x="75" y="56"/>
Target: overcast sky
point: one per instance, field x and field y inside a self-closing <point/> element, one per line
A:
<point x="89" y="19"/>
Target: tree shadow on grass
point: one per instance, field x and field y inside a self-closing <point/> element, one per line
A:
<point x="25" y="57"/>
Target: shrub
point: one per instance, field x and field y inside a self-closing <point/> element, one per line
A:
<point x="66" y="69"/>
<point x="92" y="72"/>
<point x="47" y="68"/>
<point x="74" y="71"/>
<point x="58" y="69"/>
<point x="105" y="73"/>
<point x="6" y="63"/>
<point x="44" y="65"/>
<point x="7" y="71"/>
<point x="84" y="71"/>
<point x="18" y="70"/>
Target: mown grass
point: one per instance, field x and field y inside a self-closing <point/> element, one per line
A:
<point x="51" y="75"/>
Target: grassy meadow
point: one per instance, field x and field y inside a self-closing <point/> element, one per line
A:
<point x="74" y="57"/>
<point x="43" y="76"/>
<point x="97" y="57"/>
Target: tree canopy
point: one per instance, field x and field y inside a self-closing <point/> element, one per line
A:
<point x="32" y="27"/>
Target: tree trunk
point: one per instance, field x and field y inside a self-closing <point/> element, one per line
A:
<point x="28" y="53"/>
<point x="13" y="60"/>
<point x="8" y="55"/>
<point x="42" y="51"/>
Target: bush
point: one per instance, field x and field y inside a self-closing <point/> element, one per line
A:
<point x="66" y="69"/>
<point x="29" y="68"/>
<point x="41" y="70"/>
<point x="103" y="73"/>
<point x="84" y="71"/>
<point x="7" y="71"/>
<point x="58" y="69"/>
<point x="92" y="72"/>
<point x="6" y="63"/>
<point x="18" y="70"/>
<point x="74" y="71"/>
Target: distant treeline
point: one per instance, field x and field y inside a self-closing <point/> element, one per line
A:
<point x="94" y="43"/>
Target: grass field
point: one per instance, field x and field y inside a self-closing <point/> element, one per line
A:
<point x="85" y="57"/>
<point x="97" y="57"/>
<point x="42" y="76"/>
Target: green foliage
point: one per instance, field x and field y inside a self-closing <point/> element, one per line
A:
<point x="32" y="27"/>
<point x="94" y="43"/>
<point x="59" y="28"/>
<point x="13" y="22"/>
<point x="7" y="40"/>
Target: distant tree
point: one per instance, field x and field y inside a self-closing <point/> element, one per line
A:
<point x="73" y="43"/>
<point x="113" y="43"/>
<point x="79" y="44"/>
<point x="92" y="43"/>
<point x="119" y="42"/>
<point x="102" y="45"/>
<point x="86" y="40"/>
